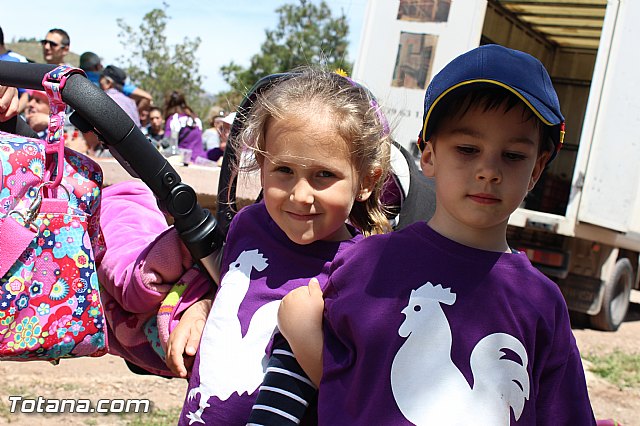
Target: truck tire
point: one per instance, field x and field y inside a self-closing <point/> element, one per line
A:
<point x="615" y="302"/>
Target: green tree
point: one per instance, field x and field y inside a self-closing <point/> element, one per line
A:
<point x="306" y="34"/>
<point x="158" y="67"/>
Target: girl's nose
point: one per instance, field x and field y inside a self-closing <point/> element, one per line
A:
<point x="302" y="192"/>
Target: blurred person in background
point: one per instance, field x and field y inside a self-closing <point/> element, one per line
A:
<point x="182" y="125"/>
<point x="91" y="64"/>
<point x="155" y="129"/>
<point x="112" y="80"/>
<point x="143" y="113"/>
<point x="224" y="129"/>
<point x="211" y="136"/>
<point x="55" y="46"/>
<point x="37" y="112"/>
<point x="11" y="56"/>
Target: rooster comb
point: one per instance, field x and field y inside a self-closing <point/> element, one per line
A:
<point x="437" y="292"/>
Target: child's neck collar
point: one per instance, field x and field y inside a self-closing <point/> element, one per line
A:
<point x="491" y="239"/>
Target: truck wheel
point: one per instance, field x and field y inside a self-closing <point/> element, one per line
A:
<point x="615" y="302"/>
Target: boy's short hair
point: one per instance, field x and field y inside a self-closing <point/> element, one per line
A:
<point x="487" y="97"/>
<point x="520" y="73"/>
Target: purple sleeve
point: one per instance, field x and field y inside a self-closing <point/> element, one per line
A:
<point x="562" y="398"/>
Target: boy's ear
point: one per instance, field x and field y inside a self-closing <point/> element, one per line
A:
<point x="538" y="168"/>
<point x="426" y="160"/>
<point x="367" y="184"/>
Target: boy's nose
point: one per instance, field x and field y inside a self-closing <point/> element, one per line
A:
<point x="488" y="170"/>
<point x="302" y="192"/>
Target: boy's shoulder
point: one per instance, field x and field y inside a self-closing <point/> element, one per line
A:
<point x="399" y="241"/>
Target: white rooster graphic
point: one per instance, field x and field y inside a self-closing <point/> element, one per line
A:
<point x="429" y="388"/>
<point x="230" y="362"/>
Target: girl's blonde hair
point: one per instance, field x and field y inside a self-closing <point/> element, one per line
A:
<point x="357" y="118"/>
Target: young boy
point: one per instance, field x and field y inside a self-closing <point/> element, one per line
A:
<point x="443" y="323"/>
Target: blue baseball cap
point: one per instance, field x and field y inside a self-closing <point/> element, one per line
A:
<point x="520" y="73"/>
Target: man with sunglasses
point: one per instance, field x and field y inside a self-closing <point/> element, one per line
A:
<point x="55" y="46"/>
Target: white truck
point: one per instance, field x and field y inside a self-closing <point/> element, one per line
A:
<point x="581" y="225"/>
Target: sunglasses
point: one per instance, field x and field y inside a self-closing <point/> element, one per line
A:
<point x="52" y="43"/>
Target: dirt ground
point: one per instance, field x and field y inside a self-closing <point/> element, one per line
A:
<point x="609" y="401"/>
<point x="108" y="377"/>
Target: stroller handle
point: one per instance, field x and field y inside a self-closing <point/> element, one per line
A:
<point x="196" y="226"/>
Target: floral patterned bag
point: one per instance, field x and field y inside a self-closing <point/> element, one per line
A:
<point x="50" y="242"/>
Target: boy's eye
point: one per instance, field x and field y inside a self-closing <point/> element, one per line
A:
<point x="467" y="150"/>
<point x="514" y="156"/>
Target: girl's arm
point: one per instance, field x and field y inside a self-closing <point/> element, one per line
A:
<point x="290" y="383"/>
<point x="300" y="322"/>
<point x="184" y="340"/>
<point x="286" y="392"/>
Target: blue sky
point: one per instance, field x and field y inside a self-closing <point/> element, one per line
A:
<point x="230" y="30"/>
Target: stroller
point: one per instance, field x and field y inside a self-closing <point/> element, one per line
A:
<point x="203" y="234"/>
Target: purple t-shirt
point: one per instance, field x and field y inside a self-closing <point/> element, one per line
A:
<point x="190" y="136"/>
<point x="260" y="266"/>
<point x="422" y="330"/>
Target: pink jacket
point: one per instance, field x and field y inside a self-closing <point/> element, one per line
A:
<point x="147" y="276"/>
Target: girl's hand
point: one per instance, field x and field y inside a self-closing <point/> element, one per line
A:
<point x="184" y="340"/>
<point x="300" y="322"/>
<point x="8" y="102"/>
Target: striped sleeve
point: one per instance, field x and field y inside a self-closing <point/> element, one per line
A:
<point x="286" y="392"/>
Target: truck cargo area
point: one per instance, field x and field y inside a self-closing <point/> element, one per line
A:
<point x="581" y="223"/>
<point x="594" y="272"/>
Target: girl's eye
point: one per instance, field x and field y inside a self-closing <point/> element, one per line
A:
<point x="284" y="169"/>
<point x="326" y="174"/>
<point x="467" y="150"/>
<point x="514" y="156"/>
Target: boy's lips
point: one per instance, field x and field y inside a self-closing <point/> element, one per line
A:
<point x="484" y="198"/>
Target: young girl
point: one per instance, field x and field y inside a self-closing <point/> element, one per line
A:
<point x="321" y="145"/>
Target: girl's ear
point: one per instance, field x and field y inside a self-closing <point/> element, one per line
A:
<point x="427" y="160"/>
<point x="541" y="162"/>
<point x="367" y="184"/>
